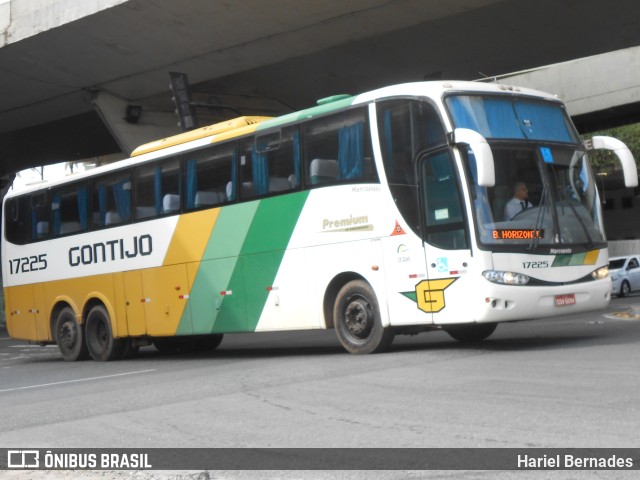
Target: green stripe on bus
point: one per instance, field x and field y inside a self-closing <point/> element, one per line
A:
<point x="240" y="261"/>
<point x="304" y="114"/>
<point x="569" y="260"/>
<point x="217" y="265"/>
<point x="260" y="259"/>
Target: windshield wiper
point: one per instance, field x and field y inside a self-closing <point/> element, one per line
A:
<point x="535" y="240"/>
<point x="564" y="199"/>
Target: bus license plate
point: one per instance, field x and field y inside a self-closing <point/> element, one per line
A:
<point x="568" y="299"/>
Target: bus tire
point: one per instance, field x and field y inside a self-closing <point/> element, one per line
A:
<point x="470" y="332"/>
<point x="357" y="320"/>
<point x="70" y="336"/>
<point x="100" y="342"/>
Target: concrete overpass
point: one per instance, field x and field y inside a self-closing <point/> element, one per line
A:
<point x="69" y="69"/>
<point x="599" y="91"/>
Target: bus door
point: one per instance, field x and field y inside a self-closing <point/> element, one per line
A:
<point x="27" y="317"/>
<point x="165" y="294"/>
<point x="43" y="331"/>
<point x="21" y="318"/>
<point x="446" y="238"/>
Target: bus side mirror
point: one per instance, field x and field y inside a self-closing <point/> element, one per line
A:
<point x="624" y="155"/>
<point x="481" y="150"/>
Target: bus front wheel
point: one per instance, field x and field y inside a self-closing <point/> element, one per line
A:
<point x="470" y="332"/>
<point x="357" y="319"/>
<point x="100" y="342"/>
<point x="70" y="336"/>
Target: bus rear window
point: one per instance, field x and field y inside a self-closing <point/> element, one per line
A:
<point x="16" y="212"/>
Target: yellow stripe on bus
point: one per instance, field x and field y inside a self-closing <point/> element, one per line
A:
<point x="591" y="257"/>
<point x="190" y="237"/>
<point x="232" y="127"/>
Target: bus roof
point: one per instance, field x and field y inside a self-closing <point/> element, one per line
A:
<point x="203" y="132"/>
<point x="248" y="124"/>
<point x="234" y="127"/>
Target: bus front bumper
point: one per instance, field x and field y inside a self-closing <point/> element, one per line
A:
<point x="503" y="303"/>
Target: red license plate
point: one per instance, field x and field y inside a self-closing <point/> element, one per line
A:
<point x="563" y="300"/>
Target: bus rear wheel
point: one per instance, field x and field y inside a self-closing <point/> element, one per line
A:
<point x="357" y="320"/>
<point x="470" y="332"/>
<point x="100" y="342"/>
<point x="70" y="336"/>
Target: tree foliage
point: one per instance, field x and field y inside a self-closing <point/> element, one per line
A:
<point x="605" y="161"/>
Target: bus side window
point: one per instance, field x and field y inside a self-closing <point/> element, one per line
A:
<point x="337" y="149"/>
<point x="444" y="221"/>
<point x="69" y="210"/>
<point x="148" y="200"/>
<point x="270" y="163"/>
<point x="207" y="174"/>
<point x="157" y="189"/>
<point x="40" y="222"/>
<point x="406" y="127"/>
<point x="112" y="200"/>
<point x="169" y="184"/>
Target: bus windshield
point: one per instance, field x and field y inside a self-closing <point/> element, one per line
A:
<point x="545" y="193"/>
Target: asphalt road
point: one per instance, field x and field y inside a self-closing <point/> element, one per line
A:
<point x="571" y="381"/>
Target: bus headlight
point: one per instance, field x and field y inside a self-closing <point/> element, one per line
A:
<point x="506" y="278"/>
<point x="599" y="274"/>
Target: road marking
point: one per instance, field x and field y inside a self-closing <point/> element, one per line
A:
<point x="33" y="346"/>
<point x="77" y="380"/>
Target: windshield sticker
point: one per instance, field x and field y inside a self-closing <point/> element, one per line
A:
<point x="442" y="214"/>
<point x="547" y="156"/>
<point x="442" y="264"/>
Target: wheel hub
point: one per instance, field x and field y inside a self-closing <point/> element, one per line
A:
<point x="358" y="318"/>
<point x="67" y="335"/>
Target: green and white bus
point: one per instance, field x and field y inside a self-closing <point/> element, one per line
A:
<point x="375" y="215"/>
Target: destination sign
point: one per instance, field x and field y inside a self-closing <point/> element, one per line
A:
<point x="517" y="233"/>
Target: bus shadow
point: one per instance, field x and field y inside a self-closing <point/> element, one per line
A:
<point x="266" y="346"/>
<point x="425" y="344"/>
<point x="527" y="343"/>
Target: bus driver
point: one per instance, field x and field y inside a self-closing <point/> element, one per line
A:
<point x="519" y="202"/>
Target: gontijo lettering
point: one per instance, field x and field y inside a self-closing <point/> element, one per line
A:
<point x="110" y="250"/>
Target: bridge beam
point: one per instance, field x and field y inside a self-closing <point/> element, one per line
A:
<point x="129" y="130"/>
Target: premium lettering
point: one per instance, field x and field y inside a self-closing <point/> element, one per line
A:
<point x="347" y="224"/>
